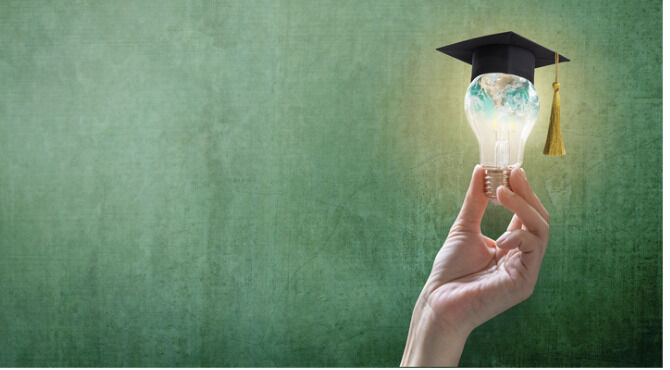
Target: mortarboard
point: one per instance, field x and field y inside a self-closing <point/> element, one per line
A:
<point x="504" y="52"/>
<point x="510" y="53"/>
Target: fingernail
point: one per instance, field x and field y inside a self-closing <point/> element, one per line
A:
<point x="501" y="189"/>
<point x="523" y="172"/>
<point x="501" y="240"/>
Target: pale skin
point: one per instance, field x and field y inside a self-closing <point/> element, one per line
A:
<point x="474" y="277"/>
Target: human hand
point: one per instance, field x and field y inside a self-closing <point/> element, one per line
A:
<point x="474" y="278"/>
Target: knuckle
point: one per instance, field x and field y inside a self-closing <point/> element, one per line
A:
<point x="455" y="227"/>
<point x="544" y="229"/>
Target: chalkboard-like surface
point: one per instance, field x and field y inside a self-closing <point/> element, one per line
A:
<point x="247" y="183"/>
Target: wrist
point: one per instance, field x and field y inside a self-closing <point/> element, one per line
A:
<point x="433" y="341"/>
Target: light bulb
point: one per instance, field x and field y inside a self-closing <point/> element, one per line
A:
<point x="502" y="109"/>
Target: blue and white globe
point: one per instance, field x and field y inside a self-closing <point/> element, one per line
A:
<point x="502" y="109"/>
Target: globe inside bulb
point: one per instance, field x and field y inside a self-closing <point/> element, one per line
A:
<point x="502" y="109"/>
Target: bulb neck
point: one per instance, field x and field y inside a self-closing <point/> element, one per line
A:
<point x="495" y="177"/>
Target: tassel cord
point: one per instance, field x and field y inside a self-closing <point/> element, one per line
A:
<point x="554" y="145"/>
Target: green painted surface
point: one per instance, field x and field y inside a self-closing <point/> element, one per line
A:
<point x="267" y="183"/>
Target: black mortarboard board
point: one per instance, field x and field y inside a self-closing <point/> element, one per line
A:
<point x="504" y="52"/>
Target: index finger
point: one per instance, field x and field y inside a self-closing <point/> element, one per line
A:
<point x="520" y="185"/>
<point x="529" y="216"/>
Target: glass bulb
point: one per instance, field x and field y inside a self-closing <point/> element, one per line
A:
<point x="502" y="109"/>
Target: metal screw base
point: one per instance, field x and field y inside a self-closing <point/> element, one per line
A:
<point x="494" y="178"/>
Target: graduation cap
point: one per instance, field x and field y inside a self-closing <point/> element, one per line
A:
<point x="510" y="53"/>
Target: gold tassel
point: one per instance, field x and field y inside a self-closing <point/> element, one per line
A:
<point x="554" y="145"/>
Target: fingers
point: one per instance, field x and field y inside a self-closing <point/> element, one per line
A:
<point x="531" y="247"/>
<point x="520" y="185"/>
<point x="474" y="204"/>
<point x="525" y="241"/>
<point x="515" y="224"/>
<point x="528" y="215"/>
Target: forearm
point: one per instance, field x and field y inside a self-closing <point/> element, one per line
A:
<point x="430" y="343"/>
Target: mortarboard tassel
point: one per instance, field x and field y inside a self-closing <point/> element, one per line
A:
<point x="554" y="145"/>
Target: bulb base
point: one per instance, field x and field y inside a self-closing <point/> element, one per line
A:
<point x="495" y="177"/>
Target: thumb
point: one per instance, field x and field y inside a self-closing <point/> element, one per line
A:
<point x="474" y="205"/>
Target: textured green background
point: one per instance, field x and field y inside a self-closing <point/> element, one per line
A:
<point x="267" y="183"/>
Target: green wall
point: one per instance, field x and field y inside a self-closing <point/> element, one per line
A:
<point x="248" y="183"/>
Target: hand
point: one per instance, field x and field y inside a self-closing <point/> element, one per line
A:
<point x="475" y="278"/>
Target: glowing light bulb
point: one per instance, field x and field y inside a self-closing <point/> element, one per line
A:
<point x="502" y="109"/>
